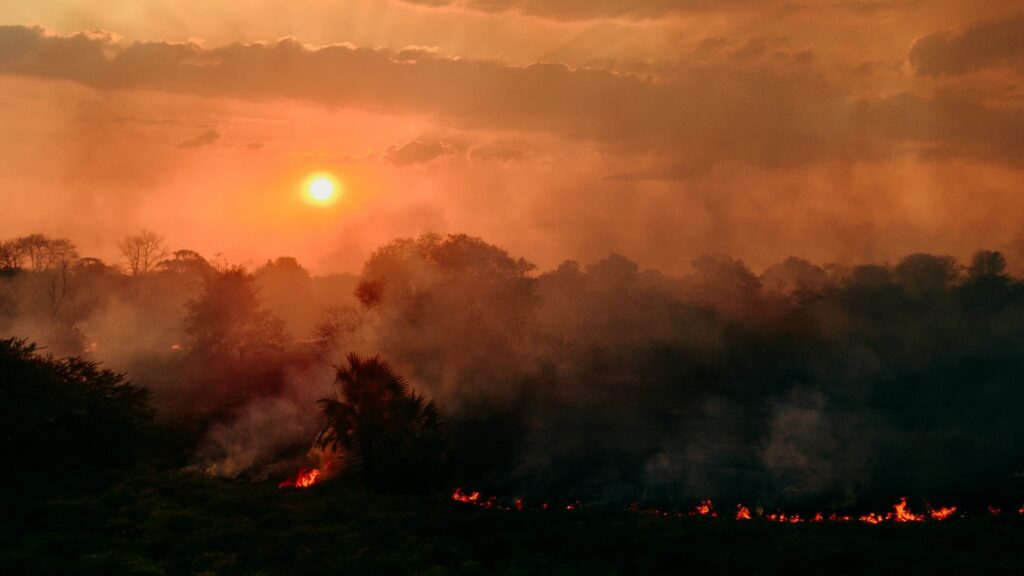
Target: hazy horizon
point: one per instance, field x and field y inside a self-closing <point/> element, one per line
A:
<point x="459" y="287"/>
<point x="844" y="131"/>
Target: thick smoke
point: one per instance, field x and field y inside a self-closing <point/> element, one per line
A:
<point x="806" y="384"/>
<point x="258" y="438"/>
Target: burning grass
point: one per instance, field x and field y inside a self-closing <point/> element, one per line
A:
<point x="900" y="513"/>
<point x="167" y="522"/>
<point x="304" y="478"/>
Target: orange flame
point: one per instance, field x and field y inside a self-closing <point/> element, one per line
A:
<point x="304" y="478"/>
<point x="941" y="514"/>
<point x="900" y="512"/>
<point x="474" y="498"/>
<point x="873" y="518"/>
<point x="903" y="514"/>
<point x="460" y="496"/>
<point x="705" y="508"/>
<point x="784" y="518"/>
<point x="742" y="512"/>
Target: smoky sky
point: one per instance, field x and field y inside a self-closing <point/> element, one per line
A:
<point x="778" y="114"/>
<point x="840" y="131"/>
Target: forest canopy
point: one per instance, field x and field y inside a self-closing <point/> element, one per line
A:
<point x="804" y="382"/>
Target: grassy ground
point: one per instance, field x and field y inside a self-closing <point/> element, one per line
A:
<point x="146" y="523"/>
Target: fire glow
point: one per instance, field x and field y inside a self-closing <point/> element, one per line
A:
<point x="304" y="478"/>
<point x="742" y="512"/>
<point x="900" y="513"/>
<point x="705" y="508"/>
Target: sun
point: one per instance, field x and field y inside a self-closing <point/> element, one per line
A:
<point x="321" y="189"/>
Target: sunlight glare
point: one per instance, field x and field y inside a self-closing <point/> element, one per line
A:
<point x="321" y="189"/>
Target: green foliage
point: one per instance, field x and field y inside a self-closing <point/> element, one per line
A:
<point x="66" y="412"/>
<point x="392" y="433"/>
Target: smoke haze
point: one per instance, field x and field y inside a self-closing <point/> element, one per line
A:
<point x="660" y="130"/>
<point x="636" y="249"/>
<point x="803" y="384"/>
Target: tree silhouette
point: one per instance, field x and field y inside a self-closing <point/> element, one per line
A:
<point x="187" y="263"/>
<point x="926" y="274"/>
<point x="45" y="253"/>
<point x="987" y="286"/>
<point x="91" y="416"/>
<point x="142" y="251"/>
<point x="987" y="264"/>
<point x="227" y="318"/>
<point x="389" y="430"/>
<point x="11" y="256"/>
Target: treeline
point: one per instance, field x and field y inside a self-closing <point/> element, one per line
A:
<point x="803" y="384"/>
<point x="832" y="384"/>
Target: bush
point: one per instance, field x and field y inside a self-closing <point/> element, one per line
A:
<point x="66" y="412"/>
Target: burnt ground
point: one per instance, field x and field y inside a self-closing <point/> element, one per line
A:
<point x="154" y="523"/>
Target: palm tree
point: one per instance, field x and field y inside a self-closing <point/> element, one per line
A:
<point x="379" y="420"/>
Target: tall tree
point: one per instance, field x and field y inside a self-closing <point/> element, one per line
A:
<point x="45" y="253"/>
<point x="142" y="251"/>
<point x="228" y="318"/>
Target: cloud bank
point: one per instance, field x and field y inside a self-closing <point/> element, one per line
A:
<point x="765" y="112"/>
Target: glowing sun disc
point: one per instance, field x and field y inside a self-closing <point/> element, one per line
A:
<point x="321" y="189"/>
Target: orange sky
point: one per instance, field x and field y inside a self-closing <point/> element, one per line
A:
<point x="845" y="130"/>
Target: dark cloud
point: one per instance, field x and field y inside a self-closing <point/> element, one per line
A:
<point x="775" y="113"/>
<point x="979" y="46"/>
<point x="34" y="51"/>
<point x="204" y="139"/>
<point x="417" y="152"/>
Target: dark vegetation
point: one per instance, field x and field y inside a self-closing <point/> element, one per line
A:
<point x="808" y="387"/>
<point x="391" y="433"/>
<point x="177" y="523"/>
<point x="68" y="414"/>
